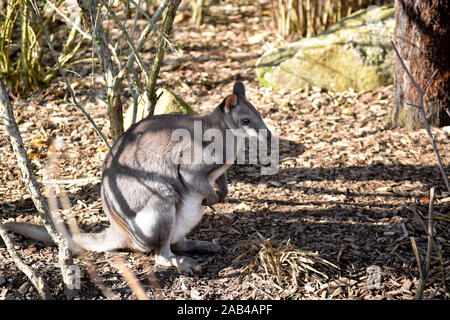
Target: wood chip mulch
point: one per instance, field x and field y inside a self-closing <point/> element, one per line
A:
<point x="334" y="223"/>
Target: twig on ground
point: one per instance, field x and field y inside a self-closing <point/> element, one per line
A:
<point x="436" y="247"/>
<point x="421" y="92"/>
<point x="416" y="254"/>
<point x="426" y="267"/>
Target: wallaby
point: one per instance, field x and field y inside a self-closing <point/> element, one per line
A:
<point x="153" y="191"/>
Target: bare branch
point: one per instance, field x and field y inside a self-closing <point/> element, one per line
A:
<point x="416" y="254"/>
<point x="63" y="74"/>
<point x="426" y="268"/>
<point x="157" y="60"/>
<point x="429" y="81"/>
<point x="67" y="19"/>
<point x="130" y="42"/>
<point x="413" y="105"/>
<point x="36" y="280"/>
<point x="150" y="26"/>
<point x="421" y="93"/>
<point x="406" y="69"/>
<point x="29" y="178"/>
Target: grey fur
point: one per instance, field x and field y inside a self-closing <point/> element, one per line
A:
<point x="151" y="201"/>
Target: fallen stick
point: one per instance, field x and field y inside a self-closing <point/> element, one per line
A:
<point x="426" y="267"/>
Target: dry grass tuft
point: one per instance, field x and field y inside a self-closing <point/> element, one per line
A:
<point x="284" y="266"/>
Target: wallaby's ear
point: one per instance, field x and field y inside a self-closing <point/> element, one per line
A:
<point x="239" y="89"/>
<point x="230" y="103"/>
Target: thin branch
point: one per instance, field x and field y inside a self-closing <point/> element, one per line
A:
<point x="421" y="93"/>
<point x="52" y="174"/>
<point x="130" y="42"/>
<point x="36" y="280"/>
<point x="436" y="247"/>
<point x="429" y="81"/>
<point x="155" y="18"/>
<point x="150" y="26"/>
<point x="413" y="105"/>
<point x="406" y="69"/>
<point x="29" y="178"/>
<point x="113" y="83"/>
<point x="426" y="267"/>
<point x="132" y="281"/>
<point x="67" y="19"/>
<point x="445" y="93"/>
<point x="416" y="254"/>
<point x="448" y="98"/>
<point x="63" y="74"/>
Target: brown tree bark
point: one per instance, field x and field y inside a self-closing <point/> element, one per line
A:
<point x="158" y="58"/>
<point x="422" y="36"/>
<point x="93" y="19"/>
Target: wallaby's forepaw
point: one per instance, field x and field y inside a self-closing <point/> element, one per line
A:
<point x="222" y="195"/>
<point x="211" y="199"/>
<point x="182" y="263"/>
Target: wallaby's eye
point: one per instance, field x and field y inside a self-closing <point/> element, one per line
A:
<point x="245" y="121"/>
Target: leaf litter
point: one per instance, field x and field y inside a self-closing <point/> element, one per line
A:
<point x="341" y="202"/>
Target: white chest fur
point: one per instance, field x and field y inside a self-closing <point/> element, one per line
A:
<point x="191" y="211"/>
<point x="188" y="215"/>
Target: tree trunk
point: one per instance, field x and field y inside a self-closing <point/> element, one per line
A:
<point x="158" y="58"/>
<point x="93" y="18"/>
<point x="422" y="36"/>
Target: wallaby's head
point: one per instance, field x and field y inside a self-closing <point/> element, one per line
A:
<point x="242" y="117"/>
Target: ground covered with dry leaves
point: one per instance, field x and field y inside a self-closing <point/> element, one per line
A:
<point x="334" y="223"/>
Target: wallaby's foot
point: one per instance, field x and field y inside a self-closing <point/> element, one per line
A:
<point x="182" y="263"/>
<point x="187" y="245"/>
<point x="166" y="258"/>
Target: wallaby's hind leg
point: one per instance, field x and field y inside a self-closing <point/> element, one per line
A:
<point x="156" y="226"/>
<point x="187" y="245"/>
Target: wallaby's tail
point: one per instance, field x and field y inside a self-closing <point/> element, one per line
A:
<point x="105" y="240"/>
<point x="29" y="230"/>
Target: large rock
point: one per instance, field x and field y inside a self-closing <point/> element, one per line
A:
<point x="168" y="102"/>
<point x="353" y="53"/>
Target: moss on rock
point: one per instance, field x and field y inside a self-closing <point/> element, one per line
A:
<point x="168" y="102"/>
<point x="354" y="53"/>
